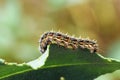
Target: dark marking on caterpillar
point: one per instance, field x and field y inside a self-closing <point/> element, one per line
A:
<point x="66" y="41"/>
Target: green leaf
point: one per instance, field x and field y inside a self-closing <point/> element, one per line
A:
<point x="59" y="63"/>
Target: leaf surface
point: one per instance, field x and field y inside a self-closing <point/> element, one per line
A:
<point x="61" y="64"/>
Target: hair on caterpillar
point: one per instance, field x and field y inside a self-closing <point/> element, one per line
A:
<point x="67" y="41"/>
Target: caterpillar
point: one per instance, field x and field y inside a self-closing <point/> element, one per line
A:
<point x="67" y="41"/>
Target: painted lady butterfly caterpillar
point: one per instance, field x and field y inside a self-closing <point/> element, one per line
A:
<point x="66" y="41"/>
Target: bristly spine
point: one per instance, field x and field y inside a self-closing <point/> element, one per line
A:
<point x="66" y="41"/>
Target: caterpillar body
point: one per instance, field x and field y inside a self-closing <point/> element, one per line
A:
<point x="66" y="41"/>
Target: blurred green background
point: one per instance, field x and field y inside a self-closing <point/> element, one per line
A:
<point x="23" y="21"/>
